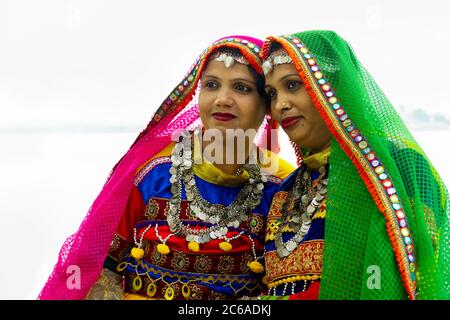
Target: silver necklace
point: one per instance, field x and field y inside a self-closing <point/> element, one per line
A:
<point x="305" y="199"/>
<point x="221" y="217"/>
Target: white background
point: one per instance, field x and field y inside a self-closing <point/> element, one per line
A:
<point x="80" y="79"/>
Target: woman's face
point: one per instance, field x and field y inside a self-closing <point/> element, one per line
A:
<point x="229" y="99"/>
<point x="293" y="109"/>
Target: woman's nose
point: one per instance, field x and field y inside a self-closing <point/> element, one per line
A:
<point x="283" y="105"/>
<point x="224" y="98"/>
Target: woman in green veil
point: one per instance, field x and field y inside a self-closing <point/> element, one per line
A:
<point x="366" y="215"/>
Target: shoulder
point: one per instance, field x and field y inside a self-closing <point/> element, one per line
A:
<point x="276" y="168"/>
<point x="162" y="157"/>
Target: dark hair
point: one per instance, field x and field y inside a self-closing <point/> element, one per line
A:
<point x="259" y="79"/>
<point x="274" y="46"/>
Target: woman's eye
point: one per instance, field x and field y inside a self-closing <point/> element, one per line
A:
<point x="293" y="84"/>
<point x="210" y="85"/>
<point x="271" y="93"/>
<point x="243" y="88"/>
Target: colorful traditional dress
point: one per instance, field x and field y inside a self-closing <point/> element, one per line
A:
<point x="210" y="272"/>
<point x="386" y="230"/>
<point x="298" y="274"/>
<point x="135" y="197"/>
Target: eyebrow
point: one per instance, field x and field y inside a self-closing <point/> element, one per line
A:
<point x="289" y="75"/>
<point x="234" y="79"/>
<point x="285" y="77"/>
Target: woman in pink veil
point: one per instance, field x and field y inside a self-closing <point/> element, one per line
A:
<point x="170" y="222"/>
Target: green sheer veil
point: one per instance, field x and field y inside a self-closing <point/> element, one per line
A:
<point x="387" y="223"/>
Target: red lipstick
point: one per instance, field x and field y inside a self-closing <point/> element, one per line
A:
<point x="223" y="116"/>
<point x="289" y="121"/>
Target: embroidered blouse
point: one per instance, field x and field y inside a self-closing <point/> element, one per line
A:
<point x="296" y="276"/>
<point x="210" y="273"/>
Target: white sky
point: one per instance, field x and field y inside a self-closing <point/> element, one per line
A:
<point x="113" y="62"/>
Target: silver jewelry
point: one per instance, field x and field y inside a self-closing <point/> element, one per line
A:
<point x="163" y="241"/>
<point x="139" y="244"/>
<point x="275" y="60"/>
<point x="305" y="199"/>
<point x="228" y="59"/>
<point x="219" y="216"/>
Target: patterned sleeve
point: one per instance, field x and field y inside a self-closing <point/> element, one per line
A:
<point x="123" y="238"/>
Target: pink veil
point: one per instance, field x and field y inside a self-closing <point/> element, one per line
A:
<point x="86" y="250"/>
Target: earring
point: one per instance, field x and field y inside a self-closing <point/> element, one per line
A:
<point x="298" y="154"/>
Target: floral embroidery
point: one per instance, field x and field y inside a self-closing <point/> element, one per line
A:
<point x="189" y="214"/>
<point x="157" y="258"/>
<point x="256" y="223"/>
<point x="226" y="264"/>
<point x="277" y="204"/>
<point x="115" y="243"/>
<point x="151" y="210"/>
<point x="272" y="228"/>
<point x="120" y="248"/>
<point x="165" y="211"/>
<point x="196" y="293"/>
<point x="180" y="261"/>
<point x="306" y="259"/>
<point x="158" y="208"/>
<point x="202" y="264"/>
<point x="217" y="296"/>
<point x="246" y="258"/>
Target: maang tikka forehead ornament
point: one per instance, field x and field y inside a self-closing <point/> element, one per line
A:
<point x="228" y="58"/>
<point x="280" y="57"/>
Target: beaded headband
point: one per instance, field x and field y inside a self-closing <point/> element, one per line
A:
<point x="275" y="60"/>
<point x="228" y="58"/>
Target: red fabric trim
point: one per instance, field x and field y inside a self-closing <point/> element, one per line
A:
<point x="241" y="244"/>
<point x="133" y="213"/>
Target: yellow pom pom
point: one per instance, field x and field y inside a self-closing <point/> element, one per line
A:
<point x="256" y="267"/>
<point x="137" y="253"/>
<point x="162" y="248"/>
<point x="225" y="246"/>
<point x="194" y="246"/>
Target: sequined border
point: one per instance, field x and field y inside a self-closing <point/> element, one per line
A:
<point x="161" y="160"/>
<point x="144" y="268"/>
<point x="148" y="167"/>
<point x="363" y="152"/>
<point x="305" y="260"/>
<point x="158" y="292"/>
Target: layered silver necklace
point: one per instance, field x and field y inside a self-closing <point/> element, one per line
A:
<point x="304" y="199"/>
<point x="220" y="217"/>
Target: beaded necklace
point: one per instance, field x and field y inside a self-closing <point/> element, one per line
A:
<point x="220" y="217"/>
<point x="304" y="199"/>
